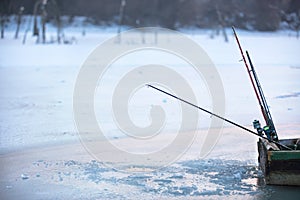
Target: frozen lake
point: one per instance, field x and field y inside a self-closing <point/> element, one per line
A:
<point x="42" y="156"/>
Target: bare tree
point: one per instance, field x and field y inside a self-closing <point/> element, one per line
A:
<point x="121" y="15"/>
<point x="2" y="25"/>
<point x="222" y="24"/>
<point x="19" y="20"/>
<point x="44" y="8"/>
<point x="5" y="10"/>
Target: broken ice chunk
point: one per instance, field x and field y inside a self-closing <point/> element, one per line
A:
<point x="24" y="176"/>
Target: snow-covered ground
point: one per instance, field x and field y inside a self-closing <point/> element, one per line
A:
<point x="41" y="150"/>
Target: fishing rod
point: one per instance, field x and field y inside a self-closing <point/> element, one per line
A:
<point x="269" y="129"/>
<point x="218" y="116"/>
<point x="251" y="78"/>
<point x="269" y="121"/>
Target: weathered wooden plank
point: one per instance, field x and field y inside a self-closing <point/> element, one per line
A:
<point x="283" y="178"/>
<point x="284" y="155"/>
<point x="283" y="165"/>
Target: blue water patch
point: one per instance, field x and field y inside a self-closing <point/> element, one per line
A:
<point x="189" y="178"/>
<point x="192" y="178"/>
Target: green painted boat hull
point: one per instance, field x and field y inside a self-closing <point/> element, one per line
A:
<point x="280" y="167"/>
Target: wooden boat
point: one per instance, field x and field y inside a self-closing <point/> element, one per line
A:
<point x="280" y="167"/>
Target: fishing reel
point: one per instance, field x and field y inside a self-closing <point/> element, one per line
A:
<point x="270" y="133"/>
<point x="256" y="125"/>
<point x="267" y="130"/>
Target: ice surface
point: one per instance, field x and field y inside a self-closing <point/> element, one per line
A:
<point x="37" y="83"/>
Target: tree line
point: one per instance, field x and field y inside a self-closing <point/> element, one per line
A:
<point x="262" y="15"/>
